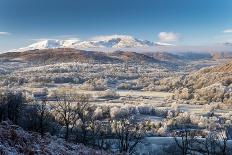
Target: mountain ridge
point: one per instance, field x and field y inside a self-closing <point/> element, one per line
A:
<point x="112" y="41"/>
<point x="60" y="55"/>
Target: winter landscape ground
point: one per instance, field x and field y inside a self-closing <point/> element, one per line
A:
<point x="120" y="77"/>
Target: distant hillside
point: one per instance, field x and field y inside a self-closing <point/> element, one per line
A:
<point x="194" y="55"/>
<point x="132" y="57"/>
<point x="227" y="68"/>
<point x="213" y="84"/>
<point x="221" y="55"/>
<point x="164" y="56"/>
<point x="49" y="56"/>
<point x="59" y="55"/>
<point x="181" y="56"/>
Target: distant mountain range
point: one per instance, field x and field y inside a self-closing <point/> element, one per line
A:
<point x="113" y="41"/>
<point x="75" y="50"/>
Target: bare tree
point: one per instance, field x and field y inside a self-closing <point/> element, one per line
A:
<point x="66" y="112"/>
<point x="224" y="144"/>
<point x="128" y="134"/>
<point x="89" y="127"/>
<point x="185" y="140"/>
<point x="219" y="142"/>
<point x="44" y="113"/>
<point x="214" y="143"/>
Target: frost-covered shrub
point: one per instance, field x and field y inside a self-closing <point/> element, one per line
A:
<point x="125" y="86"/>
<point x="144" y="109"/>
<point x="130" y="86"/>
<point x="95" y="84"/>
<point x="228" y="115"/>
<point x="162" y="130"/>
<point x="98" y="113"/>
<point x="131" y="109"/>
<point x="117" y="112"/>
<point x="109" y="94"/>
<point x="184" y="93"/>
<point x="175" y="106"/>
<point x="153" y="87"/>
<point x="147" y="109"/>
<point x="66" y="80"/>
<point x="171" y="113"/>
<point x="159" y="112"/>
<point x="213" y="93"/>
<point x="211" y="107"/>
<point x="183" y="120"/>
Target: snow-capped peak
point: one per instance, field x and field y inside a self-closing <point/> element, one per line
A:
<point x="42" y="44"/>
<point x="116" y="41"/>
<point x="110" y="41"/>
<point x="45" y="44"/>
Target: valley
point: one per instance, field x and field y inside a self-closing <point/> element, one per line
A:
<point x="164" y="91"/>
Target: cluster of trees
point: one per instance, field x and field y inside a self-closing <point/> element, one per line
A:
<point x="10" y="106"/>
<point x="95" y="84"/>
<point x="205" y="86"/>
<point x="214" y="93"/>
<point x="109" y="94"/>
<point x="74" y="119"/>
<point x="43" y="78"/>
<point x="188" y="142"/>
<point x="166" y="83"/>
<point x="84" y="123"/>
<point x="32" y="116"/>
<point x="137" y="75"/>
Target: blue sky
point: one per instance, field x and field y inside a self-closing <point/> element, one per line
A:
<point x="184" y="22"/>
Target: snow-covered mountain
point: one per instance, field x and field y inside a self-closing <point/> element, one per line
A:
<point x="112" y="41"/>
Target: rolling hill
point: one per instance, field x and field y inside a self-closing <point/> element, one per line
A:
<point x="64" y="55"/>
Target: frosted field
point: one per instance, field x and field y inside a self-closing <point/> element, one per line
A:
<point x="74" y="88"/>
<point x="132" y="93"/>
<point x="201" y="109"/>
<point x="136" y="98"/>
<point x="144" y="93"/>
<point x="131" y="97"/>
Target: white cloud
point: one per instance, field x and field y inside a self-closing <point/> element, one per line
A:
<point x="227" y="31"/>
<point x="168" y="36"/>
<point x="4" y="33"/>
